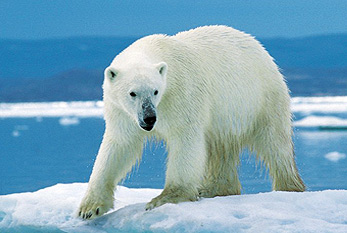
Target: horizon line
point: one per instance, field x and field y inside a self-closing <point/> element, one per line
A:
<point x="140" y="36"/>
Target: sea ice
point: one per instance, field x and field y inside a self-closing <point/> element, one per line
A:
<point x="326" y="104"/>
<point x="54" y="209"/>
<point x="321" y="121"/>
<point x="308" y="105"/>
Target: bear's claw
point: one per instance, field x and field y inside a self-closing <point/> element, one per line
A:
<point x="90" y="214"/>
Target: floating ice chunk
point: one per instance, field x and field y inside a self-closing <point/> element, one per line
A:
<point x="335" y="156"/>
<point x="15" y="133"/>
<point x="69" y="121"/>
<point x="22" y="127"/>
<point x="17" y="130"/>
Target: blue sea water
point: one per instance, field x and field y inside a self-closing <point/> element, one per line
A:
<point x="42" y="151"/>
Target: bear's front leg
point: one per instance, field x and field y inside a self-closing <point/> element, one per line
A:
<point x="112" y="164"/>
<point x="185" y="169"/>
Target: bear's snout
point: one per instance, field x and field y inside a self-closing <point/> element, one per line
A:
<point x="149" y="116"/>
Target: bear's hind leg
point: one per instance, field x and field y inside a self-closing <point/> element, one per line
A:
<point x="221" y="178"/>
<point x="275" y="148"/>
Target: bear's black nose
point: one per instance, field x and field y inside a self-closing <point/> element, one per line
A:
<point x="150" y="120"/>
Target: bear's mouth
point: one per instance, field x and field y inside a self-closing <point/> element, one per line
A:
<point x="147" y="127"/>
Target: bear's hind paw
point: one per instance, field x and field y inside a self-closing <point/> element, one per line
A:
<point x="172" y="196"/>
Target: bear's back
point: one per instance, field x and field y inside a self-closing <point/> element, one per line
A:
<point x="235" y="69"/>
<point x="215" y="35"/>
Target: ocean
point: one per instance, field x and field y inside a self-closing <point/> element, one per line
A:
<point x="43" y="144"/>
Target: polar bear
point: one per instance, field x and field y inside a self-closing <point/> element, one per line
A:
<point x="208" y="93"/>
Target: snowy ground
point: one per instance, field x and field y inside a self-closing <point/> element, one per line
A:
<point x="53" y="209"/>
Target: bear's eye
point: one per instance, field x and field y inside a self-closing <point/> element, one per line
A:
<point x="132" y="94"/>
<point x="156" y="92"/>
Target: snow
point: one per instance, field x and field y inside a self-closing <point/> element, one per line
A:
<point x="54" y="209"/>
<point x="335" y="156"/>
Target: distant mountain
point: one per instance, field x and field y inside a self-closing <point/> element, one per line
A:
<point x="67" y="86"/>
<point x="72" y="68"/>
<point x="315" y="52"/>
<point x="45" y="58"/>
<point x="316" y="81"/>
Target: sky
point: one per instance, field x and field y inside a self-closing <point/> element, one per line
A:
<point x="41" y="19"/>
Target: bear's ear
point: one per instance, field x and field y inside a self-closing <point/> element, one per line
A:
<point x="111" y="73"/>
<point x="162" y="68"/>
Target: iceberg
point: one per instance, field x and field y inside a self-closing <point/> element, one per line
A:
<point x="53" y="209"/>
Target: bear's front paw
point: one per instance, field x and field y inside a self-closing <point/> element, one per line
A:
<point x="172" y="195"/>
<point x="93" y="206"/>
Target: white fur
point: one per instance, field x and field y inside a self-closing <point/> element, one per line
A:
<point x="219" y="91"/>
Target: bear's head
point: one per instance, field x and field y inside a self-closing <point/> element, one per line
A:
<point x="137" y="90"/>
